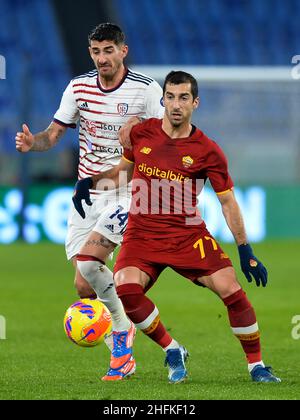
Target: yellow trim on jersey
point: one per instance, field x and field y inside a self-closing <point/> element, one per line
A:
<point x="224" y="192"/>
<point x="127" y="160"/>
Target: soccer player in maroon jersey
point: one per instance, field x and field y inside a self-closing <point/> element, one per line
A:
<point x="170" y="155"/>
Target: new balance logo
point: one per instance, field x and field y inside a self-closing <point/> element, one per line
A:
<point x="84" y="106"/>
<point x="2" y="67"/>
<point x="2" y="328"/>
<point x="146" y="150"/>
<point x="110" y="227"/>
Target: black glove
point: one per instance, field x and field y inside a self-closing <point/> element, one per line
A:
<point x="81" y="192"/>
<point x="251" y="265"/>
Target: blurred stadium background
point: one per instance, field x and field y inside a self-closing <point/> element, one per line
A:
<point x="241" y="52"/>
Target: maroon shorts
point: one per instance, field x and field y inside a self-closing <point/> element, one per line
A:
<point x="193" y="256"/>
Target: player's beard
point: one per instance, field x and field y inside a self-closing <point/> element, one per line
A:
<point x="175" y="122"/>
<point x="109" y="75"/>
<point x="106" y="75"/>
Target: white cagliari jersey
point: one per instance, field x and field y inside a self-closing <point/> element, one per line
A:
<point x="102" y="112"/>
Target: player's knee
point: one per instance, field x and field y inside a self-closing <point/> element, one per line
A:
<point x="237" y="301"/>
<point x="131" y="295"/>
<point x="131" y="275"/>
<point x="121" y="278"/>
<point x="226" y="284"/>
<point x="230" y="289"/>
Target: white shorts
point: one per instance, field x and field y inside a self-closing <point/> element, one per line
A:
<point x="108" y="216"/>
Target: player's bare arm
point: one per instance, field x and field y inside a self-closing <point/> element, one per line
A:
<point x="233" y="216"/>
<point x="250" y="265"/>
<point x="124" y="133"/>
<point x="117" y="176"/>
<point x="40" y="142"/>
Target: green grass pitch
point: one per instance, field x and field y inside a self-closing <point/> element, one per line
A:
<point x="39" y="362"/>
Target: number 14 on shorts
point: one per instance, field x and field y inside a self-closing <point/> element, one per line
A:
<point x="122" y="217"/>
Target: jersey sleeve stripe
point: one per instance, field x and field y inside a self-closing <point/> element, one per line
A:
<point x="224" y="192"/>
<point x="127" y="160"/>
<point x="83" y="131"/>
<point x="141" y="76"/>
<point x="84" y="150"/>
<point x="95" y="112"/>
<point x="85" y="85"/>
<point x="90" y="171"/>
<point x="89" y="74"/>
<point x="64" y="124"/>
<point x="138" y="80"/>
<point x="113" y="113"/>
<point x="89" y="93"/>
<point x="89" y="101"/>
<point x="91" y="161"/>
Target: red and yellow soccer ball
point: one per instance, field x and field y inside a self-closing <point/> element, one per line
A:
<point x="87" y="322"/>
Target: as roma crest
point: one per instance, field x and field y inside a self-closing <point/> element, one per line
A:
<point x="187" y="161"/>
<point x="122" y="109"/>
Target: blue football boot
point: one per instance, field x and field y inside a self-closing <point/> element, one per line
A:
<point x="175" y="360"/>
<point x="263" y="374"/>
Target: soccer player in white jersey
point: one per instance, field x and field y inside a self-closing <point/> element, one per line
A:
<point x="101" y="101"/>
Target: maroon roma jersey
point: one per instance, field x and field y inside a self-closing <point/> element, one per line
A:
<point x="168" y="176"/>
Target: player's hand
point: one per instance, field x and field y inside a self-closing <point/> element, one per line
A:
<point x="81" y="192"/>
<point x="124" y="132"/>
<point x="24" y="140"/>
<point x="251" y="266"/>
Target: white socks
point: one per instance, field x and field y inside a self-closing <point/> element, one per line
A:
<point x="251" y="366"/>
<point x="172" y="345"/>
<point x="101" y="280"/>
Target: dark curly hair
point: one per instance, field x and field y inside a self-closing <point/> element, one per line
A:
<point x="107" y="32"/>
<point x="178" y="77"/>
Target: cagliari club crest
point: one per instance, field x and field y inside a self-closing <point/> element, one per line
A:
<point x="91" y="127"/>
<point x="187" y="161"/>
<point x="122" y="109"/>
